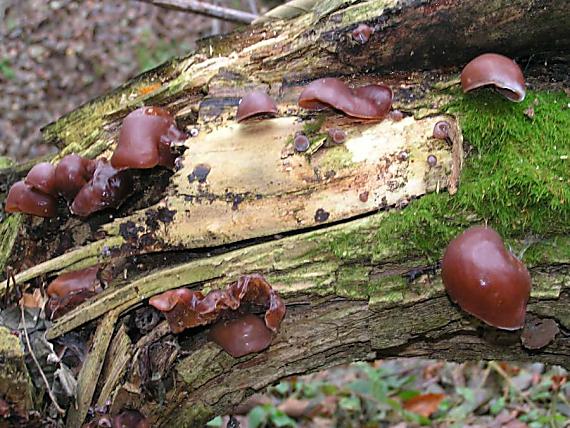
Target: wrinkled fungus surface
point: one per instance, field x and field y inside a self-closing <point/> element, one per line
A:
<point x="485" y="279"/>
<point x="254" y="104"/>
<point x="495" y="70"/>
<point x="42" y="177"/>
<point x="72" y="173"/>
<point x="22" y="198"/>
<point x="109" y="187"/>
<point x="441" y="130"/>
<point x="366" y="102"/>
<point x="241" y="336"/>
<point x="145" y="139"/>
<point x="185" y="308"/>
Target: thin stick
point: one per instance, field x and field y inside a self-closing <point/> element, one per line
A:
<point x="207" y="9"/>
<point x="494" y="366"/>
<point x="50" y="393"/>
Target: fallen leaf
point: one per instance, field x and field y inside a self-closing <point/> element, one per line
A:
<point x="33" y="300"/>
<point x="558" y="381"/>
<point x="294" y="407"/>
<point x="425" y="404"/>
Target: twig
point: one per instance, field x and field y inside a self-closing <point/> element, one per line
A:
<point x="50" y="393"/>
<point x="496" y="367"/>
<point x="207" y="9"/>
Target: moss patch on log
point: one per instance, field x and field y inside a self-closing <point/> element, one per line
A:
<point x="516" y="178"/>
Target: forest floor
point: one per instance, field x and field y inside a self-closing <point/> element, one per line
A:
<point x="56" y="55"/>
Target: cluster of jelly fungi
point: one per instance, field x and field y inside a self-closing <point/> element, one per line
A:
<point x="485" y="279"/>
<point x="185" y="309"/>
<point x="70" y="289"/>
<point x="145" y="141"/>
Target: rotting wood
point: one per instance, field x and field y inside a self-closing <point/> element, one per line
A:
<point x="118" y="356"/>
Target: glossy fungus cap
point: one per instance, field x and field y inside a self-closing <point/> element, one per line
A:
<point x="485" y="279"/>
<point x="496" y="70"/>
<point x="72" y="173"/>
<point x="241" y="336"/>
<point x="71" y="282"/>
<point x="255" y="103"/>
<point x="22" y="198"/>
<point x="42" y="177"/>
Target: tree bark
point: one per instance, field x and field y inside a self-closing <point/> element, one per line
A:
<point x="349" y="297"/>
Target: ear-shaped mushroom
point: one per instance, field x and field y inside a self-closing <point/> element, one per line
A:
<point x="179" y="308"/>
<point x="241" y="336"/>
<point x="145" y="139"/>
<point x="72" y="173"/>
<point x="22" y="198"/>
<point x="42" y="177"/>
<point x="70" y="289"/>
<point x="485" y="279"/>
<point x="494" y="70"/>
<point x="109" y="187"/>
<point x="367" y="102"/>
<point x="255" y="103"/>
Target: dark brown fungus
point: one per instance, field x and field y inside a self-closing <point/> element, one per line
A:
<point x="184" y="308"/>
<point x="485" y="279"/>
<point x="396" y="115"/>
<point x="22" y="198"/>
<point x="336" y="135"/>
<point x="42" y="177"/>
<point x="367" y="102"/>
<point x="538" y="333"/>
<point x="145" y="139"/>
<point x="72" y="173"/>
<point x="441" y="130"/>
<point x="362" y="33"/>
<point x="200" y="173"/>
<point x="71" y="289"/>
<point x="403" y="156"/>
<point x="109" y="187"/>
<point x="432" y="160"/>
<point x="495" y="70"/>
<point x="130" y="419"/>
<point x="363" y="197"/>
<point x="255" y="103"/>
<point x="301" y="143"/>
<point x="241" y="336"/>
<point x="321" y="215"/>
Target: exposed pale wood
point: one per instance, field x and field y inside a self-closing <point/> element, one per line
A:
<point x="206" y="9"/>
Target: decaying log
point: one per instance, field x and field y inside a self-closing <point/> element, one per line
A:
<point x="307" y="222"/>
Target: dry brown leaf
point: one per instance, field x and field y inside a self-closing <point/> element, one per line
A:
<point x="424" y="405"/>
<point x="33" y="300"/>
<point x="294" y="407"/>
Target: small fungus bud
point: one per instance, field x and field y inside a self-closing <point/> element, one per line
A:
<point x="441" y="130"/>
<point x="496" y="70"/>
<point x="403" y="156"/>
<point x="362" y="33"/>
<point x="396" y="115"/>
<point x="22" y="198"/>
<point x="130" y="419"/>
<point x="71" y="174"/>
<point x="366" y="102"/>
<point x="254" y="104"/>
<point x="485" y="279"/>
<point x="363" y="197"/>
<point x="301" y="143"/>
<point x="336" y="135"/>
<point x="321" y="215"/>
<point x="109" y="187"/>
<point x="432" y="160"/>
<point x="42" y="177"/>
<point x="145" y="139"/>
<point x="241" y="336"/>
<point x="71" y="289"/>
<point x="538" y="333"/>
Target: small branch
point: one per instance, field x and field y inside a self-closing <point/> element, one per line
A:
<point x="50" y="392"/>
<point x="207" y="9"/>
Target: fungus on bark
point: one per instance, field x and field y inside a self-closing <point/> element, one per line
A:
<point x="241" y="336"/>
<point x="362" y="33"/>
<point x="72" y="173"/>
<point x="70" y="289"/>
<point x="255" y="103"/>
<point x="495" y="70"/>
<point x="336" y="135"/>
<point x="538" y="333"/>
<point x="366" y="102"/>
<point x="485" y="279"/>
<point x="42" y="177"/>
<point x="108" y="187"/>
<point x="23" y="198"/>
<point x="145" y="139"/>
<point x="301" y="143"/>
<point x="441" y="130"/>
<point x="184" y="308"/>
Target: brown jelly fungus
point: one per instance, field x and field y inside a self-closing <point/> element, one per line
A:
<point x="336" y="135"/>
<point x="23" y="198"/>
<point x="254" y="104"/>
<point x="145" y="139"/>
<point x="42" y="177"/>
<point x="362" y="33"/>
<point x="441" y="130"/>
<point x="71" y="174"/>
<point x="494" y="70"/>
<point x="538" y="333"/>
<point x="301" y="143"/>
<point x="485" y="279"/>
<point x="241" y="336"/>
<point x="109" y="187"/>
<point x="321" y="215"/>
<point x="432" y="160"/>
<point x="366" y="102"/>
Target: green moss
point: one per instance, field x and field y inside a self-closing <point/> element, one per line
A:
<point x="516" y="177"/>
